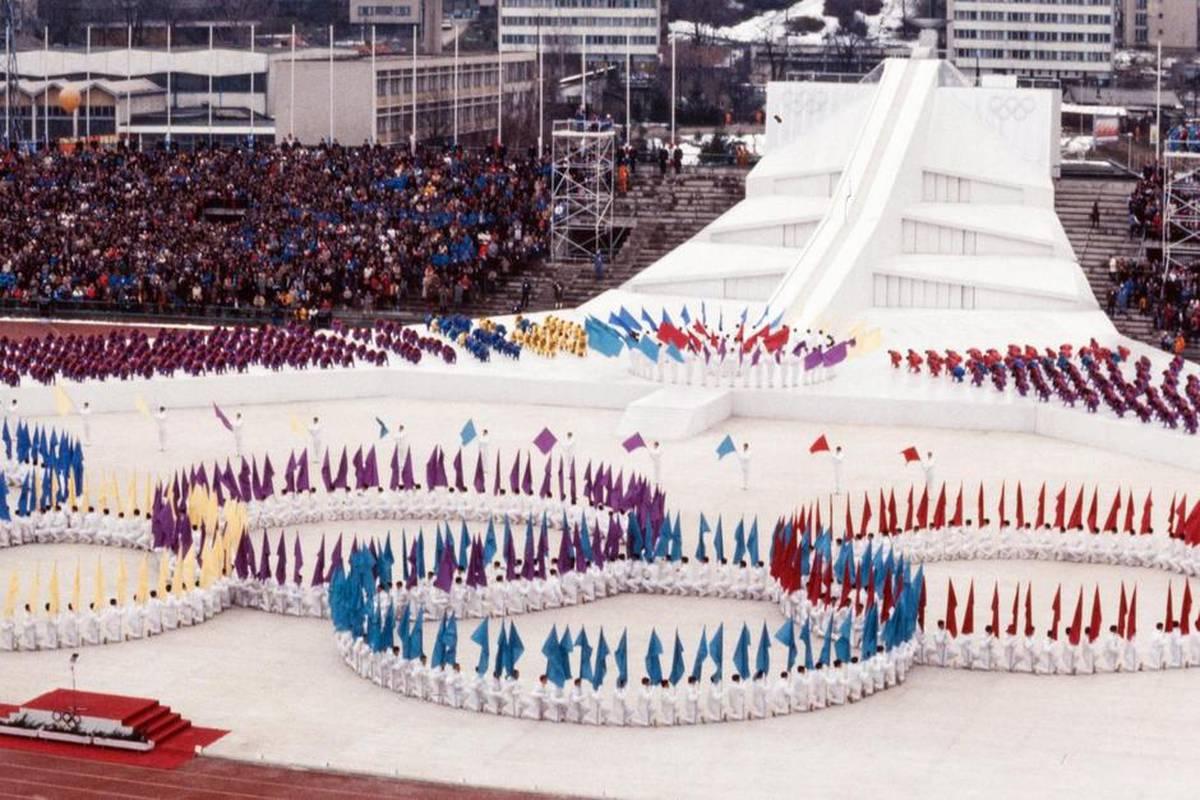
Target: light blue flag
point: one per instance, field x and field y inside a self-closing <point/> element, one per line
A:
<point x="514" y="650"/>
<point x="551" y="650"/>
<point x="450" y="642"/>
<point x="468" y="433"/>
<point x="489" y="543"/>
<point x="826" y="657"/>
<point x="741" y="653"/>
<point x="501" y="651"/>
<point x="752" y="543"/>
<point x="649" y="349"/>
<point x="383" y="429"/>
<point x="739" y="542"/>
<point x="585" y="656"/>
<point x="701" y="553"/>
<point x="716" y="651"/>
<point x="701" y="655"/>
<point x="870" y="633"/>
<point x="786" y="635"/>
<point x="719" y="543"/>
<point x="725" y="447"/>
<point x="621" y="658"/>
<point x="842" y="646"/>
<point x="806" y="637"/>
<point x="673" y="352"/>
<point x="683" y="315"/>
<point x="762" y="659"/>
<point x="601" y="668"/>
<point x="677" y="667"/>
<point x="653" y="655"/>
<point x="565" y="645"/>
<point x="437" y="658"/>
<point x="416" y="636"/>
<point x="480" y="637"/>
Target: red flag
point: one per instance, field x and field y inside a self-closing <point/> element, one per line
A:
<point x="1020" y="506"/>
<point x="821" y="445"/>
<point x="1093" y="511"/>
<point x="1190" y="530"/>
<point x="1110" y="523"/>
<point x="669" y="334"/>
<point x="1129" y="512"/>
<point x="908" y="512"/>
<point x="1146" y="509"/>
<point x="1029" y="629"/>
<point x="849" y="520"/>
<point x="1094" y="629"/>
<point x="1041" y="509"/>
<point x="883" y="514"/>
<point x="1011" y="630"/>
<point x="939" y="510"/>
<point x="865" y="521"/>
<point x="1185" y="609"/>
<point x="847" y="580"/>
<point x="1076" y="520"/>
<point x="1056" y="607"/>
<point x="1170" y="622"/>
<point x="1131" y="623"/>
<point x="980" y="512"/>
<point x="1076" y="629"/>
<point x="968" y="623"/>
<point x="957" y="520"/>
<point x="1060" y="509"/>
<point x="1180" y="516"/>
<point x="951" y="609"/>
<point x="921" y="607"/>
<point x="923" y="510"/>
<point x="995" y="626"/>
<point x="893" y="525"/>
<point x="1122" y="613"/>
<point x="910" y="455"/>
<point x="1003" y="515"/>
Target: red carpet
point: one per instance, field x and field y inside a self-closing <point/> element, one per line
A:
<point x="175" y="738"/>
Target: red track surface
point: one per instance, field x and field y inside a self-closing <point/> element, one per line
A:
<point x="24" y="329"/>
<point x="29" y="775"/>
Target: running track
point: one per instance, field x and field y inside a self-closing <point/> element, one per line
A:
<point x="30" y="775"/>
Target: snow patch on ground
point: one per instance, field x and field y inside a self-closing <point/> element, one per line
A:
<point x="772" y="24"/>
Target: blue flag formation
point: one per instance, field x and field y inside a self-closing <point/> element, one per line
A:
<point x="54" y="468"/>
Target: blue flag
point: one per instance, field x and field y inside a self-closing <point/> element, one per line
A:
<point x="601" y="668"/>
<point x="467" y="434"/>
<point x="677" y="667"/>
<point x="701" y="655"/>
<point x="762" y="659"/>
<point x="585" y="655"/>
<point x="701" y="553"/>
<point x="716" y="650"/>
<point x="786" y="635"/>
<point x="621" y="657"/>
<point x="480" y="637"/>
<point x="752" y="544"/>
<point x="515" y="648"/>
<point x="383" y="429"/>
<point x="719" y="543"/>
<point x="741" y="653"/>
<point x="725" y="447"/>
<point x="653" y="654"/>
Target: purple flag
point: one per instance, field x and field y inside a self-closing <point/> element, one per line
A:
<point x="813" y="360"/>
<point x="406" y="474"/>
<point x="264" y="567"/>
<point x="221" y="416"/>
<point x="459" y="484"/>
<point x="343" y="473"/>
<point x="297" y="561"/>
<point x="630" y="444"/>
<point x="431" y="471"/>
<point x="545" y="441"/>
<point x="480" y="483"/>
<point x="280" y="562"/>
<point x="514" y="477"/>
<point x="289" y="475"/>
<point x="394" y="471"/>
<point x="527" y="478"/>
<point x="302" y="482"/>
<point x="371" y="469"/>
<point x="835" y="354"/>
<point x="445" y="572"/>
<point x="335" y="562"/>
<point x="318" y="577"/>
<point x="496" y="482"/>
<point x="544" y="491"/>
<point x="327" y="474"/>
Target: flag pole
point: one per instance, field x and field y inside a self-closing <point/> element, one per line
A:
<point x="374" y="93"/>
<point x="87" y="112"/>
<point x="46" y="87"/>
<point x="413" y="141"/>
<point x="292" y="89"/>
<point x="628" y="80"/>
<point x="456" y="91"/>
<point x="128" y="81"/>
<point x="541" y="93"/>
<point x="331" y="86"/>
<point x="170" y="97"/>
<point x="672" y="93"/>
<point x="253" y="142"/>
<point x="212" y="67"/>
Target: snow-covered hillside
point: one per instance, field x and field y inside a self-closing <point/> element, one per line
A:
<point x="772" y="24"/>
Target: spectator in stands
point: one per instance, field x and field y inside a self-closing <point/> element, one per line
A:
<point x="283" y="230"/>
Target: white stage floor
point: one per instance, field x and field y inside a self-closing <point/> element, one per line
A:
<point x="279" y="686"/>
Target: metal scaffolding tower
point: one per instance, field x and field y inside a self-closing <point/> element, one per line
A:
<point x="10" y="125"/>
<point x="1180" y="209"/>
<point x="581" y="191"/>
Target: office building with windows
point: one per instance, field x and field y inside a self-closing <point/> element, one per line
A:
<point x="1173" y="23"/>
<point x="603" y="29"/>
<point x="1070" y="40"/>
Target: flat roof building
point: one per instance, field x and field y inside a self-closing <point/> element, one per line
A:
<point x="605" y="29"/>
<point x="1063" y="39"/>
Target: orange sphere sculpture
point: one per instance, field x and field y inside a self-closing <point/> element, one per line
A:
<point x="68" y="99"/>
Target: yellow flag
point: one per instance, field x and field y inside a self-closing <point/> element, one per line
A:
<point x="131" y="496"/>
<point x="54" y="589"/>
<point x="116" y="493"/>
<point x="139" y="403"/>
<point x="62" y="403"/>
<point x="148" y="505"/>
<point x="164" y="568"/>
<point x="143" y="580"/>
<point x="14" y="591"/>
<point x="72" y="500"/>
<point x="98" y="587"/>
<point x="122" y="580"/>
<point x="35" y="590"/>
<point x="297" y="426"/>
<point x="76" y="587"/>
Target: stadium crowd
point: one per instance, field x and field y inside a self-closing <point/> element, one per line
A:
<point x="283" y="229"/>
<point x="1172" y="298"/>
